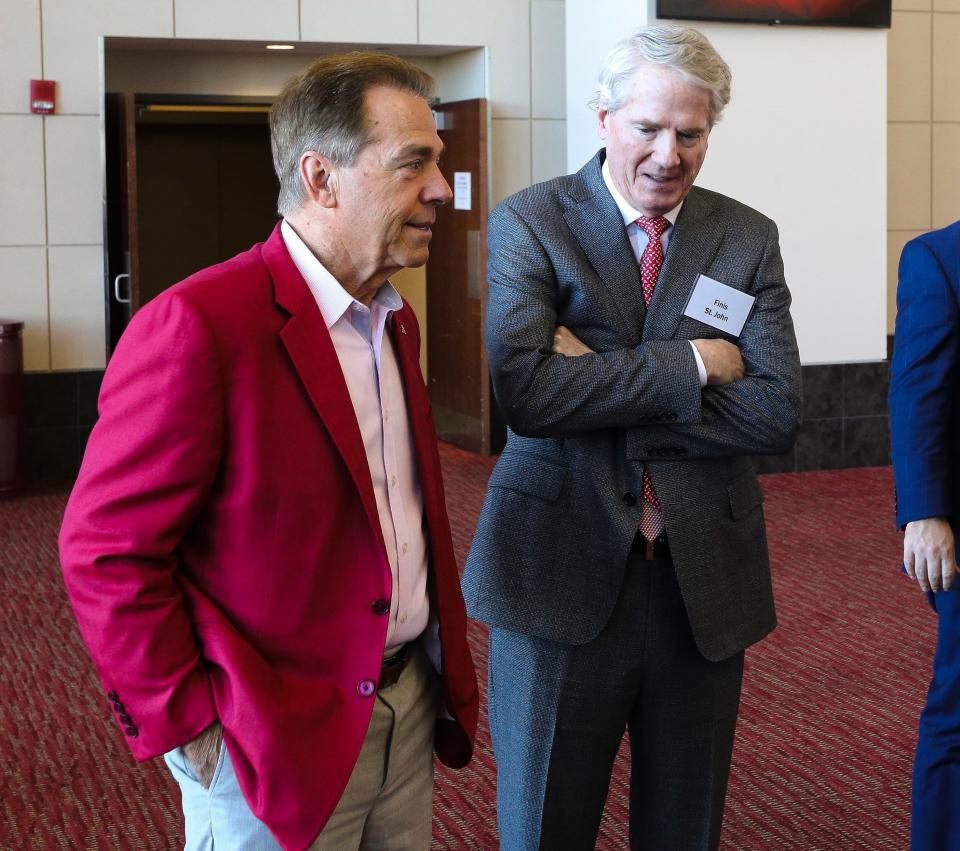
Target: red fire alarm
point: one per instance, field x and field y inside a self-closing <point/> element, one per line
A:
<point x="43" y="96"/>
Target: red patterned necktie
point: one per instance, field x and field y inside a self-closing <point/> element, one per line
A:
<point x="651" y="515"/>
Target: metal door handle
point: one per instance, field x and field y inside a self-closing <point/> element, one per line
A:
<point x="116" y="288"/>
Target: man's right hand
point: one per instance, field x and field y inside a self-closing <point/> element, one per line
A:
<point x="721" y="359"/>
<point x="203" y="753"/>
<point x="929" y="555"/>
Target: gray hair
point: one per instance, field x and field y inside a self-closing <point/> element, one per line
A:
<point x="684" y="50"/>
<point x="322" y="110"/>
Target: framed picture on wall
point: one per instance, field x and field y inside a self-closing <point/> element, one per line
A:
<point x="843" y="13"/>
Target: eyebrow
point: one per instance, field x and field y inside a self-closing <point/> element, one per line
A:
<point x="420" y="151"/>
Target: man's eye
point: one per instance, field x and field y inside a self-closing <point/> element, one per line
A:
<point x="689" y="138"/>
<point x="646" y="131"/>
<point x="415" y="165"/>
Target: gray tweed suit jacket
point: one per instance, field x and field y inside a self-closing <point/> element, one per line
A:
<point x="564" y="500"/>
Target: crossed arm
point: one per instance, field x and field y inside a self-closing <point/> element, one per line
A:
<point x="552" y="383"/>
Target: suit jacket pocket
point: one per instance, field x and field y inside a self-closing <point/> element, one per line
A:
<point x="530" y="475"/>
<point x="745" y="494"/>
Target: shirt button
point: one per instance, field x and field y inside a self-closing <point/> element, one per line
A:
<point x="366" y="688"/>
<point x="393" y="481"/>
<point x="126" y="719"/>
<point x="381" y="607"/>
<point x="386" y="416"/>
<point x="113" y="696"/>
<point x="403" y="618"/>
<point x="132" y="731"/>
<point x="404" y="549"/>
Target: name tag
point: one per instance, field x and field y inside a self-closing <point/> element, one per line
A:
<point x="720" y="306"/>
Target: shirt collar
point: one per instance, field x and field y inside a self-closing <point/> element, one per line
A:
<point x="630" y="215"/>
<point x="332" y="299"/>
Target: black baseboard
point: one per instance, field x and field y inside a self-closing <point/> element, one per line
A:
<point x="60" y="408"/>
<point x="844" y="421"/>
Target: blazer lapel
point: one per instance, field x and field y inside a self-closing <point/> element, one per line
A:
<point x="407" y="346"/>
<point x="596" y="223"/>
<point x="307" y="341"/>
<point x="692" y="246"/>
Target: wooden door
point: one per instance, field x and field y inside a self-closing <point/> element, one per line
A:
<point x="458" y="378"/>
<point x="190" y="183"/>
<point x="120" y="214"/>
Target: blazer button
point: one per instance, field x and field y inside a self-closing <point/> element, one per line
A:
<point x="381" y="607"/>
<point x="629" y="498"/>
<point x="132" y="731"/>
<point x="366" y="688"/>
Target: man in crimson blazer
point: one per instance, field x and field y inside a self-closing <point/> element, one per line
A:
<point x="257" y="547"/>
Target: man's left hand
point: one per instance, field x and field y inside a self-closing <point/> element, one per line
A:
<point x="929" y="555"/>
<point x="568" y="344"/>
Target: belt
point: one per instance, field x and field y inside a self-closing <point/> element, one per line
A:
<point x="392" y="667"/>
<point x="659" y="548"/>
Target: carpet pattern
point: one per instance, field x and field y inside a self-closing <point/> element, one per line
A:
<point x="825" y="737"/>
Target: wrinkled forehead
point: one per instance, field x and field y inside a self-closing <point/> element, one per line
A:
<point x="665" y="92"/>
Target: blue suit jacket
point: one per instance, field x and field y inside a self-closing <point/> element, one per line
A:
<point x="925" y="379"/>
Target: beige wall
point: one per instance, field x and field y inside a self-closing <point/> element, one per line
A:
<point x="924" y="125"/>
<point x="51" y="265"/>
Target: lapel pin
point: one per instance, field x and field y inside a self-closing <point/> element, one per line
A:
<point x="402" y="329"/>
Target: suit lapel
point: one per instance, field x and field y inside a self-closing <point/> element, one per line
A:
<point x="692" y="246"/>
<point x="596" y="223"/>
<point x="307" y="341"/>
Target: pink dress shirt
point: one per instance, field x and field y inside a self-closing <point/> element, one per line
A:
<point x="369" y="363"/>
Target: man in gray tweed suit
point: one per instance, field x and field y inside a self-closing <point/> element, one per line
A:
<point x="620" y="558"/>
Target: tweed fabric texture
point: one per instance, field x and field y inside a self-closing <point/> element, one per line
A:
<point x="562" y="506"/>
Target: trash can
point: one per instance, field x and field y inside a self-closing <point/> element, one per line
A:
<point x="11" y="407"/>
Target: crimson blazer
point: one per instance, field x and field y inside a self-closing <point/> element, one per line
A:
<point x="222" y="547"/>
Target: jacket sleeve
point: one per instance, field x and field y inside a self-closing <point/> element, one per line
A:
<point x="760" y="413"/>
<point x="148" y="467"/>
<point x="543" y="394"/>
<point x="923" y="381"/>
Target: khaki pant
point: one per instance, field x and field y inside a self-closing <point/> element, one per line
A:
<point x="388" y="802"/>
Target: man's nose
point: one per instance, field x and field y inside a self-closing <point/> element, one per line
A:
<point x="437" y="190"/>
<point x="665" y="150"/>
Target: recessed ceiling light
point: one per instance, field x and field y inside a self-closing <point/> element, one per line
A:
<point x="279" y="47"/>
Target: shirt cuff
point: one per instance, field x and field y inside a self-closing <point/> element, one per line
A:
<point x="701" y="369"/>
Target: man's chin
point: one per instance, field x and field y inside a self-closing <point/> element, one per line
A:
<point x="415" y="259"/>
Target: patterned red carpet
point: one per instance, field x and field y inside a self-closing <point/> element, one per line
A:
<point x="826" y="733"/>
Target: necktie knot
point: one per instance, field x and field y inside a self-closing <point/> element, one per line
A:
<point x="654" y="228"/>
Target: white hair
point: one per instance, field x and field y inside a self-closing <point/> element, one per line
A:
<point x="683" y="50"/>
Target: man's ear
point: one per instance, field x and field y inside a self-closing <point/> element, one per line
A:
<point x="318" y="175"/>
<point x="602" y="115"/>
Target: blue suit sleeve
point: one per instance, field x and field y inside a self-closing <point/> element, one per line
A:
<point x="923" y="379"/>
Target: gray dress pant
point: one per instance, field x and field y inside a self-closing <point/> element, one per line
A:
<point x="558" y="713"/>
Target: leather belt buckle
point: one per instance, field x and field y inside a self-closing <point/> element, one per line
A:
<point x="392" y="667"/>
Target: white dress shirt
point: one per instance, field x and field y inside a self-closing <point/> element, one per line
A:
<point x="369" y="364"/>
